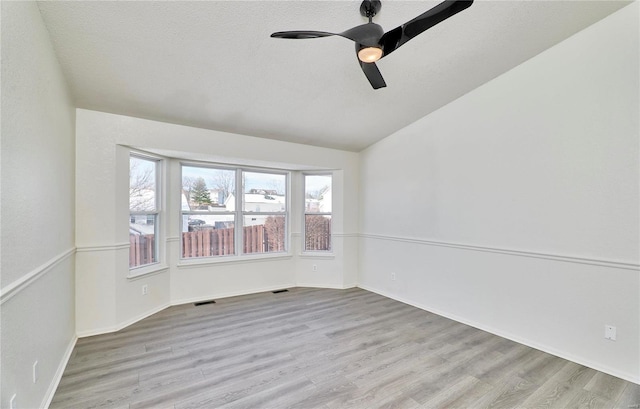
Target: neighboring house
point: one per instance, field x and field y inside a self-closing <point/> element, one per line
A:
<point x="258" y="202"/>
<point x="320" y="205"/>
<point x="140" y="224"/>
<point x="217" y="196"/>
<point x="141" y="201"/>
<point x="266" y="202"/>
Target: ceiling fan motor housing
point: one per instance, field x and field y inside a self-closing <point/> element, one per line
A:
<point x="370" y="8"/>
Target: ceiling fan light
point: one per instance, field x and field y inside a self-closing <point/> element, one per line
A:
<point x="370" y="54"/>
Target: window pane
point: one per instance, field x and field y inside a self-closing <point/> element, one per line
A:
<point x="317" y="193"/>
<point x="208" y="189"/>
<point x="142" y="243"/>
<point x="317" y="232"/>
<point x="142" y="185"/>
<point x="264" y="192"/>
<point x="263" y="234"/>
<point x="207" y="235"/>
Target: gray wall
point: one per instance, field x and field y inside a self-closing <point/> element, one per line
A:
<point x="515" y="208"/>
<point x="38" y="248"/>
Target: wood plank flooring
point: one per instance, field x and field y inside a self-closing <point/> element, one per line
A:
<point x="319" y="348"/>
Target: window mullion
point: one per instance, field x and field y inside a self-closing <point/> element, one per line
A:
<point x="239" y="236"/>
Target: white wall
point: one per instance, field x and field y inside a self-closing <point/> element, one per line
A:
<point x="37" y="210"/>
<point x="518" y="208"/>
<point x="108" y="300"/>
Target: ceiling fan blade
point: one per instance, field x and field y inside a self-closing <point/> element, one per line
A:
<point x="393" y="39"/>
<point x="372" y="73"/>
<point x="301" y="34"/>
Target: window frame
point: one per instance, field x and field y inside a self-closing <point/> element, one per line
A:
<point x="239" y="213"/>
<point x="188" y="213"/>
<point x="286" y="213"/>
<point x="305" y="213"/>
<point x="156" y="213"/>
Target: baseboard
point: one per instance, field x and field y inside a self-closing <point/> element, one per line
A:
<point x="512" y="337"/>
<point x="333" y="287"/>
<point x="118" y="327"/>
<point x="190" y="300"/>
<point x="48" y="397"/>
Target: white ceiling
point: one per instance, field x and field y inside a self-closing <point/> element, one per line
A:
<point x="212" y="64"/>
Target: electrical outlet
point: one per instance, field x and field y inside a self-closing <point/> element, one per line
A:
<point x="12" y="402"/>
<point x="610" y="332"/>
<point x="393" y="276"/>
<point x="314" y="267"/>
<point x="35" y="372"/>
<point x="145" y="289"/>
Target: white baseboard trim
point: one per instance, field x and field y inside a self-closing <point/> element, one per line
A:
<point x="124" y="324"/>
<point x="181" y="301"/>
<point x="115" y="328"/>
<point x="318" y="285"/>
<point x="544" y="348"/>
<point x="48" y="397"/>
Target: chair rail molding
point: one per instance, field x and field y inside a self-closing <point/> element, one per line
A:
<point x="518" y="253"/>
<point x="102" y="247"/>
<point x="23" y="282"/>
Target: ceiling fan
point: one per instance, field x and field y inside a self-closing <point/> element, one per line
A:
<point x="372" y="43"/>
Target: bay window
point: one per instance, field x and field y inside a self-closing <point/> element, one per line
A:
<point x="217" y="221"/>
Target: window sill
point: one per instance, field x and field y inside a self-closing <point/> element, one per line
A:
<point x="190" y="263"/>
<point x="146" y="271"/>
<point x="319" y="254"/>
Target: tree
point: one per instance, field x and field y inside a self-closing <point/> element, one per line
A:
<point x="317" y="232"/>
<point x="200" y="193"/>
<point x="317" y="194"/>
<point x="225" y="182"/>
<point x="142" y="185"/>
<point x="278" y="186"/>
<point x="187" y="187"/>
<point x="274" y="229"/>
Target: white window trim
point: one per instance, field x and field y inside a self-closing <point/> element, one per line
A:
<point x="159" y="264"/>
<point x="181" y="213"/>
<point x="315" y="253"/>
<point x="247" y="258"/>
<point x="146" y="270"/>
<point x="286" y="213"/>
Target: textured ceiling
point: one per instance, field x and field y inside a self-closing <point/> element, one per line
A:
<point x="212" y="64"/>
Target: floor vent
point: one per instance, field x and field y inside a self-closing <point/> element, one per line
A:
<point x="197" y="304"/>
<point x="280" y="291"/>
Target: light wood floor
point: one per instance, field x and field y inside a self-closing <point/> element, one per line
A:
<point x="318" y="348"/>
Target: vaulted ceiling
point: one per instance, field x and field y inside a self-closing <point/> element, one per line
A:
<point x="212" y="64"/>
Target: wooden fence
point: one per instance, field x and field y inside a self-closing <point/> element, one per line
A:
<point x="142" y="249"/>
<point x="317" y="233"/>
<point x="220" y="242"/>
